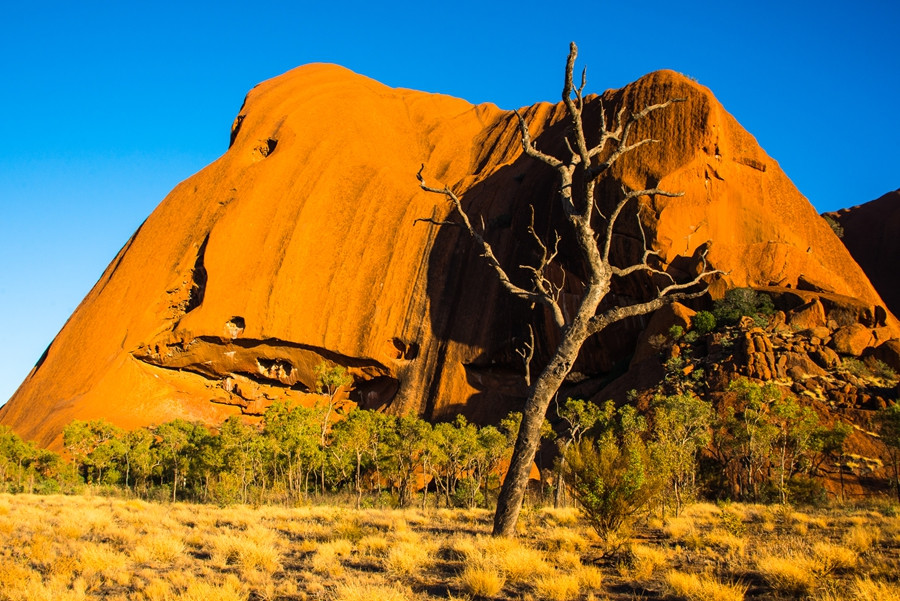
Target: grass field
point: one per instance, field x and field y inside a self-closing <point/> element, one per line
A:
<point x="63" y="548"/>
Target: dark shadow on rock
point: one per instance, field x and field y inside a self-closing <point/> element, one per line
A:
<point x="469" y="306"/>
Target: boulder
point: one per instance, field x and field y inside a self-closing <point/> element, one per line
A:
<point x="852" y="340"/>
<point x="889" y="353"/>
<point x="807" y="316"/>
<point x="825" y="357"/>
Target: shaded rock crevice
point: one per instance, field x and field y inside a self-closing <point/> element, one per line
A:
<point x="263" y="371"/>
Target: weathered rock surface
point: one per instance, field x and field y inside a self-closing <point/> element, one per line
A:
<point x="300" y="245"/>
<point x="872" y="235"/>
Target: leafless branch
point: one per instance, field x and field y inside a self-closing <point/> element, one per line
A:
<point x="599" y="322"/>
<point x="527" y="354"/>
<point x="627" y="196"/>
<point x="528" y="145"/>
<point x="488" y="252"/>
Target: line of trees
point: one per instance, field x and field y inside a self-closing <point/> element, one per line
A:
<point x="613" y="461"/>
<point x="296" y="453"/>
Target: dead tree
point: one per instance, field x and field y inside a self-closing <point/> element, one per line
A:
<point x="578" y="172"/>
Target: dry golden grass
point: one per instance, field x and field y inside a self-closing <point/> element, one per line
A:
<point x="862" y="537"/>
<point x="482" y="580"/>
<point x="407" y="558"/>
<point x="372" y="592"/>
<point x="831" y="557"/>
<point x="557" y="587"/>
<point x="83" y="548"/>
<point x="865" y="589"/>
<point x="696" y="587"/>
<point x="642" y="562"/>
<point x="793" y="574"/>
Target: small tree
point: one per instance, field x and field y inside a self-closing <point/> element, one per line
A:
<point x="579" y="417"/>
<point x="681" y="428"/>
<point x="329" y="380"/>
<point x="357" y="434"/>
<point x="294" y="435"/>
<point x="609" y="474"/>
<point x="591" y="228"/>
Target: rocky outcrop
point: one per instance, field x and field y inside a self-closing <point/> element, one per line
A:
<point x="301" y="245"/>
<point x="871" y="232"/>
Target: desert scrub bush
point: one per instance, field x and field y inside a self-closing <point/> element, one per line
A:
<point x="855" y="367"/>
<point x="880" y="369"/>
<point x="609" y="475"/>
<point x="742" y="302"/>
<point x="695" y="587"/>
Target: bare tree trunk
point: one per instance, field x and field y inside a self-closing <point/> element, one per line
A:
<point x="509" y="503"/>
<point x="578" y="174"/>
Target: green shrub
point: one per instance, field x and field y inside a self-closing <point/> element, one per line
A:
<point x="742" y="302"/>
<point x="855" y="367"/>
<point x="880" y="369"/>
<point x="703" y="322"/>
<point x="610" y="475"/>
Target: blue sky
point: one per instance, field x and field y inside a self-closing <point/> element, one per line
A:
<point x="106" y="106"/>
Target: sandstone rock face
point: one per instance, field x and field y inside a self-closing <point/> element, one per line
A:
<point x="872" y="235"/>
<point x="300" y="245"/>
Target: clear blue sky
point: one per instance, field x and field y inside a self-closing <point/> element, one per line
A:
<point x="105" y="106"/>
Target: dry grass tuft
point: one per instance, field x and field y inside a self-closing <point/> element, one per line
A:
<point x="865" y="589"/>
<point x="162" y="548"/>
<point x="521" y="564"/>
<point x="679" y="528"/>
<point x="371" y="592"/>
<point x="694" y="587"/>
<point x="832" y="557"/>
<point x="482" y="580"/>
<point x="862" y="537"/>
<point x="789" y="573"/>
<point x="406" y="558"/>
<point x="642" y="562"/>
<point x="557" y="587"/>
